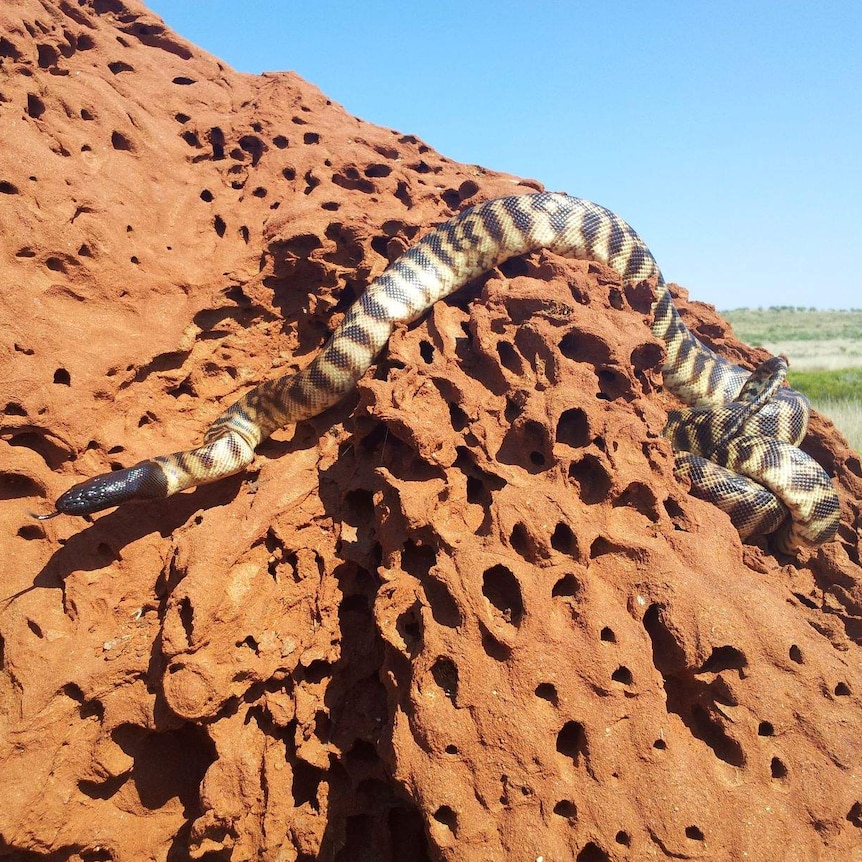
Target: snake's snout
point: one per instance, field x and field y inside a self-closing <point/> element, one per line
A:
<point x="144" y="481"/>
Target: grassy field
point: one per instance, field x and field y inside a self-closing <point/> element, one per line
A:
<point x="786" y="323"/>
<point x="825" y="353"/>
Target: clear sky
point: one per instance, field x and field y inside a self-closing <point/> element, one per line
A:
<point x="728" y="133"/>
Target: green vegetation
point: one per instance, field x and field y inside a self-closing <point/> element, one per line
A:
<point x="844" y="384"/>
<point x="825" y="353"/>
<point x="760" y="326"/>
<point x="836" y="394"/>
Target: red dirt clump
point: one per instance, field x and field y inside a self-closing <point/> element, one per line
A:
<point x="466" y="614"/>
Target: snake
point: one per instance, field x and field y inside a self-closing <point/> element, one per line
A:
<point x="736" y="441"/>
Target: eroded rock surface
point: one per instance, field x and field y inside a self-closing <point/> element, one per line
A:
<point x="467" y="614"/>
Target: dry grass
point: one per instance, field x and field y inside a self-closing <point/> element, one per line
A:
<point x="847" y="416"/>
<point x="831" y="355"/>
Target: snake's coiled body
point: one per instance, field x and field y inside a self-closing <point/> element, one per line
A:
<point x="761" y="444"/>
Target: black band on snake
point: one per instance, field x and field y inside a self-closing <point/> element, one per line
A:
<point x="737" y="442"/>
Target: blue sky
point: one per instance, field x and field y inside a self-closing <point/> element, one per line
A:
<point x="729" y="134"/>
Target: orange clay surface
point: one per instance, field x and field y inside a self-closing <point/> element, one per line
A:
<point x="467" y="614"/>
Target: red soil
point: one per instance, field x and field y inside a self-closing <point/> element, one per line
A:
<point x="467" y="614"/>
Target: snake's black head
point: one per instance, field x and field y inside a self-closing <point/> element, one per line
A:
<point x="144" y="481"/>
